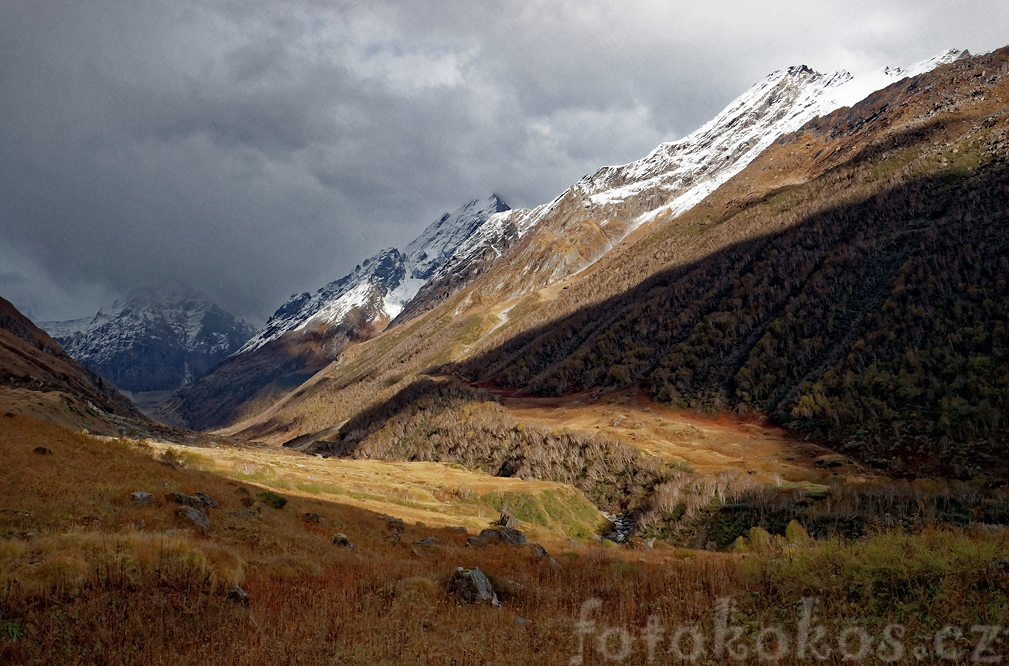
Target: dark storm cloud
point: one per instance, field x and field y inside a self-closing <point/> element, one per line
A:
<point x="255" y="149"/>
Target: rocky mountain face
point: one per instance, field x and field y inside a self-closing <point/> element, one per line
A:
<point x="312" y="330"/>
<point x="533" y="248"/>
<point x="376" y="291"/>
<point x="153" y="340"/>
<point x="506" y="254"/>
<point x="38" y="378"/>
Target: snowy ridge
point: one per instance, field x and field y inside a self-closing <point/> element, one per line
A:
<point x="381" y="286"/>
<point x="693" y="167"/>
<point x="679" y="174"/>
<point x="153" y="340"/>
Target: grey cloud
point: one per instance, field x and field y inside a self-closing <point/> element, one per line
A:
<point x="257" y="149"/>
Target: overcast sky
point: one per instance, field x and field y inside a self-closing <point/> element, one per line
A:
<point x="258" y="148"/>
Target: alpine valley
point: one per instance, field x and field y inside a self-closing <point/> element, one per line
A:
<point x="766" y="363"/>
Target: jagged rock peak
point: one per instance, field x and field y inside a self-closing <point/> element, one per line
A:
<point x="379" y="287"/>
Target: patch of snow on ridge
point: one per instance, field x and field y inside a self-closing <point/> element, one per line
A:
<point x="735" y="137"/>
<point x="381" y="286"/>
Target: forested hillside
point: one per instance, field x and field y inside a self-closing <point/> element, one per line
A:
<point x="864" y="307"/>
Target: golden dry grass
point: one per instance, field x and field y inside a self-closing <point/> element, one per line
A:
<point x="436" y="494"/>
<point x="87" y="577"/>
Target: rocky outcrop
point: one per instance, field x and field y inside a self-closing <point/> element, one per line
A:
<point x="472" y="586"/>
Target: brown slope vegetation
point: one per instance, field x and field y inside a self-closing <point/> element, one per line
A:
<point x="38" y="377"/>
<point x="880" y="324"/>
<point x="88" y="577"/>
<point x="906" y="131"/>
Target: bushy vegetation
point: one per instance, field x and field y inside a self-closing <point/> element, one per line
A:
<point x="879" y="325"/>
<point x="451" y="422"/>
<point x="83" y="579"/>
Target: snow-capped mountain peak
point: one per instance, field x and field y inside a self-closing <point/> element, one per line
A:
<point x="153" y="339"/>
<point x="689" y="169"/>
<point x="584" y="222"/>
<point x="380" y="287"/>
<point x="436" y="244"/>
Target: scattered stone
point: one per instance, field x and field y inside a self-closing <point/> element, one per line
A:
<point x="471" y="586"/>
<point x="312" y="518"/>
<point x="340" y="539"/>
<point x="195" y="516"/>
<point x="508" y="536"/>
<point x="199" y="500"/>
<point x="393" y="523"/>
<point x="395" y="527"/>
<point x="242" y="490"/>
<point x="140" y="497"/>
<point x="508" y="520"/>
<point x="459" y="529"/>
<point x="205" y="500"/>
<point x="42" y="451"/>
<point x="523" y="620"/>
<point x="247" y="501"/>
<point x="428" y="541"/>
<point x="179" y="498"/>
<point x="536" y="550"/>
<point x="8" y="415"/>
<point x="239" y="595"/>
<point x="246" y="513"/>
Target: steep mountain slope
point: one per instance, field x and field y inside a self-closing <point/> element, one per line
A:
<point x="516" y="252"/>
<point x="533" y="248"/>
<point x="153" y="340"/>
<point x="378" y="288"/>
<point x="847" y="283"/>
<point x="38" y="378"/>
<point x="311" y="330"/>
<point x="861" y="302"/>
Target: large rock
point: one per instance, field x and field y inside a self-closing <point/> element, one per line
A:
<point x="341" y="539"/>
<point x="508" y="536"/>
<point x="237" y="594"/>
<point x="198" y="500"/>
<point x="472" y="586"/>
<point x="140" y="497"/>
<point x="195" y="516"/>
<point x="508" y="520"/>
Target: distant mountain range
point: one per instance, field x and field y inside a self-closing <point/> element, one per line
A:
<point x="378" y="288"/>
<point x="153" y="340"/>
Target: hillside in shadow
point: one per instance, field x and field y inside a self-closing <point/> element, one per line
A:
<point x="879" y="326"/>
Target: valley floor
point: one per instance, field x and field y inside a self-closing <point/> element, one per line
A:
<point x="87" y="575"/>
